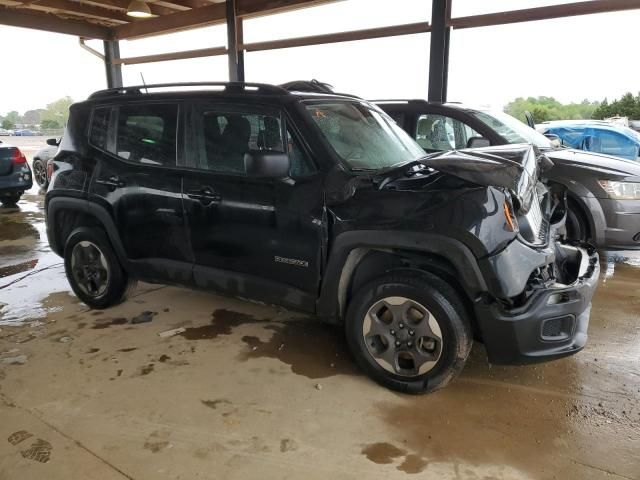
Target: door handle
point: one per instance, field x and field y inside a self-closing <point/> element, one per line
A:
<point x="205" y="195"/>
<point x="113" y="182"/>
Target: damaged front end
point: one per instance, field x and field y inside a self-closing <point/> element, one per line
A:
<point x="540" y="285"/>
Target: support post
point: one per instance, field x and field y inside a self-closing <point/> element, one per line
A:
<point x="234" y="38"/>
<point x="113" y="70"/>
<point x="439" y="52"/>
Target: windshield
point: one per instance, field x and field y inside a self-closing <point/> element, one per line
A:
<point x="512" y="129"/>
<point x="362" y="136"/>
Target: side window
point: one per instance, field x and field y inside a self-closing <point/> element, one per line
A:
<point x="99" y="127"/>
<point x="147" y="133"/>
<point x="301" y="164"/>
<point x="221" y="138"/>
<point x="437" y="133"/>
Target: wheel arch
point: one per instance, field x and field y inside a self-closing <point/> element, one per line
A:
<point x="358" y="257"/>
<point x="64" y="215"/>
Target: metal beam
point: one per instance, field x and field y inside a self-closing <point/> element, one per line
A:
<point x="163" y="57"/>
<point x="439" y="50"/>
<point x="51" y="23"/>
<point x="365" y="34"/>
<point x="544" y="13"/>
<point x="236" y="61"/>
<point x="113" y="69"/>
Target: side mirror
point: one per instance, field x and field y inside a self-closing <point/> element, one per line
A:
<point x="54" y="142"/>
<point x="266" y="164"/>
<point x="556" y="141"/>
<point x="478" y="142"/>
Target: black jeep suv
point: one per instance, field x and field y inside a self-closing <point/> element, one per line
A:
<point x="321" y="203"/>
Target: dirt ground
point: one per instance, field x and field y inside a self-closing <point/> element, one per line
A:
<point x="253" y="391"/>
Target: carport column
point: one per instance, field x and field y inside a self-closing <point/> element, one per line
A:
<point x="114" y="70"/>
<point x="439" y="57"/>
<point x="234" y="38"/>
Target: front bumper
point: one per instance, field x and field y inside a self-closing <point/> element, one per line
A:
<point x="551" y="324"/>
<point x="622" y="223"/>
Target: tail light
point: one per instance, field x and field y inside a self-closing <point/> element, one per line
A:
<point x="49" y="170"/>
<point x="18" y="157"/>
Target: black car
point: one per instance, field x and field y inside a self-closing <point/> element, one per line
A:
<point x="321" y="203"/>
<point x="15" y="175"/>
<point x="603" y="190"/>
<point x="42" y="166"/>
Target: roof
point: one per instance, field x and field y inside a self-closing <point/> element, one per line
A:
<point x="198" y="88"/>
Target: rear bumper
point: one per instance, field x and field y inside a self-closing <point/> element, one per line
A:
<point x="17" y="182"/>
<point x="551" y="324"/>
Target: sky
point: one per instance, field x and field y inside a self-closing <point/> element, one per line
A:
<point x="571" y="59"/>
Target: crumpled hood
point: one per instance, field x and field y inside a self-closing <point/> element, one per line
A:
<point x="513" y="167"/>
<point x="602" y="166"/>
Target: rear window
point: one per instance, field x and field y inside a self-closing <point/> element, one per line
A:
<point x="137" y="133"/>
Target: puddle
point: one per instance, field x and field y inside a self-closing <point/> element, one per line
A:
<point x="312" y="349"/>
<point x="31" y="276"/>
<point x="222" y="323"/>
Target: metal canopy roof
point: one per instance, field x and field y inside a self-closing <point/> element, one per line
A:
<point x="107" y="20"/>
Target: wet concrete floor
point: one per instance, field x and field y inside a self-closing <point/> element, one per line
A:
<point x="252" y="391"/>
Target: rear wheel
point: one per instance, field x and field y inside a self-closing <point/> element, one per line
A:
<point x="10" y="200"/>
<point x="93" y="270"/>
<point x="40" y="173"/>
<point x="409" y="332"/>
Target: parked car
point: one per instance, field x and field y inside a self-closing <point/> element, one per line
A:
<point x="5" y="133"/>
<point x="321" y="203"/>
<point x="42" y="162"/>
<point x="603" y="191"/>
<point x="15" y="175"/>
<point x="595" y="136"/>
<point x="24" y="132"/>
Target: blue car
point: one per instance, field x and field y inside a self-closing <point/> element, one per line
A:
<point x="597" y="137"/>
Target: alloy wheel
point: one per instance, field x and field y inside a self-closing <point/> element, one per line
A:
<point x="402" y="336"/>
<point x="89" y="268"/>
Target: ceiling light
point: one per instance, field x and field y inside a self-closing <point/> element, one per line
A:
<point x="139" y="9"/>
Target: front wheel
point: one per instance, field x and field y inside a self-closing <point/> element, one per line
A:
<point x="93" y="269"/>
<point x="409" y="332"/>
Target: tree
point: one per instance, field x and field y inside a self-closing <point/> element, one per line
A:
<point x="8" y="124"/>
<point x="548" y="108"/>
<point x="627" y="106"/>
<point x="14" y="117"/>
<point x="58" y="110"/>
<point x="32" y="117"/>
<point x="49" y="124"/>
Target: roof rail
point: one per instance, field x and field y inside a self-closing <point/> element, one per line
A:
<point x="240" y="86"/>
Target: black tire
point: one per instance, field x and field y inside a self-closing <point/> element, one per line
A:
<point x="440" y="300"/>
<point x="40" y="173"/>
<point x="98" y="280"/>
<point x="10" y="200"/>
<point x="576" y="224"/>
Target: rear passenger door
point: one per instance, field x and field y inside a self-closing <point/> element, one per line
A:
<point x="138" y="180"/>
<point x="255" y="237"/>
